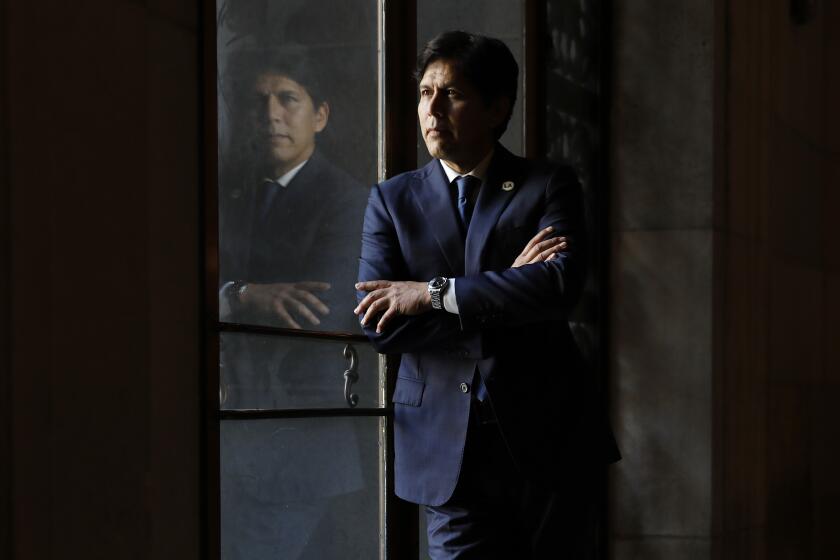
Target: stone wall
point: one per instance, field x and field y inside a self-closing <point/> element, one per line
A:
<point x="661" y="284"/>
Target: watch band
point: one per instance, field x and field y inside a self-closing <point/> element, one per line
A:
<point x="437" y="286"/>
<point x="234" y="293"/>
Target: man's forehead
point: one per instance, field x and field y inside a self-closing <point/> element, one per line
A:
<point x="442" y="72"/>
<point x="275" y="81"/>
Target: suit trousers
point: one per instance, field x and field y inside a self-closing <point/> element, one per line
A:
<point x="496" y="512"/>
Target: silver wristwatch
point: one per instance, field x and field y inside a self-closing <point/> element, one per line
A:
<point x="235" y="291"/>
<point x="437" y="286"/>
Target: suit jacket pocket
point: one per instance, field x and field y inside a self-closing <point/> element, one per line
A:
<point x="409" y="391"/>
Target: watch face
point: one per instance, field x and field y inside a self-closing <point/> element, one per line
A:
<point x="437" y="282"/>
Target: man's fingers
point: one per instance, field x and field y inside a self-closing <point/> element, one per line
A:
<point x="545" y="248"/>
<point x="304" y="311"/>
<point x="537" y="238"/>
<point x="313" y="301"/>
<point x="371" y="285"/>
<point x="365" y="308"/>
<point x="538" y="248"/>
<point x="545" y="255"/>
<point x="390" y="312"/>
<point x="281" y="311"/>
<point x="374" y="308"/>
<point x="367" y="300"/>
<point x="554" y="241"/>
<point x="313" y="286"/>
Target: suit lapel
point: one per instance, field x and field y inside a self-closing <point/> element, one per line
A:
<point x="431" y="191"/>
<point x="492" y="200"/>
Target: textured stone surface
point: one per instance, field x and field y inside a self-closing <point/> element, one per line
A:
<point x="662" y="548"/>
<point x="662" y="115"/>
<point x="661" y="285"/>
<point x="661" y="390"/>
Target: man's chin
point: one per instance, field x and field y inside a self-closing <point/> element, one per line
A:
<point x="439" y="150"/>
<point x="279" y="158"/>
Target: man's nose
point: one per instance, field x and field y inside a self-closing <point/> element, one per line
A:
<point x="435" y="107"/>
<point x="274" y="110"/>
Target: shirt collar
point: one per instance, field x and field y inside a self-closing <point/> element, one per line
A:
<point x="287" y="177"/>
<point x="479" y="172"/>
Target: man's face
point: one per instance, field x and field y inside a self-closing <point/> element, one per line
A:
<point x="285" y="121"/>
<point x="456" y="123"/>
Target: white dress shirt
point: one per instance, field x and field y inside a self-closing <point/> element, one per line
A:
<point x="287" y="177"/>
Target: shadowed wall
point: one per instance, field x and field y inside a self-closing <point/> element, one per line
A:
<point x="724" y="280"/>
<point x="723" y="341"/>
<point x="777" y="369"/>
<point x="101" y="213"/>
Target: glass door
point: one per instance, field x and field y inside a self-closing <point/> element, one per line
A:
<point x="301" y="427"/>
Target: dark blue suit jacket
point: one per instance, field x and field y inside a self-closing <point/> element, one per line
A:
<point x="311" y="233"/>
<point x="512" y="327"/>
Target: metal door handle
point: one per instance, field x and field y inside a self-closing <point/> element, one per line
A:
<point x="350" y="376"/>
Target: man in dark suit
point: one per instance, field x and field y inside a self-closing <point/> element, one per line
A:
<point x="287" y="215"/>
<point x="289" y="222"/>
<point x="469" y="268"/>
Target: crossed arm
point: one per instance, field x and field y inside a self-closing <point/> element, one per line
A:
<point x="389" y="298"/>
<point x="541" y="284"/>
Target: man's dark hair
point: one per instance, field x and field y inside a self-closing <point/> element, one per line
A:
<point x="292" y="61"/>
<point x="485" y="62"/>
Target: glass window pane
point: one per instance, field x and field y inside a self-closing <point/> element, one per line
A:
<point x="502" y="19"/>
<point x="297" y="110"/>
<point x="271" y="372"/>
<point x="301" y="488"/>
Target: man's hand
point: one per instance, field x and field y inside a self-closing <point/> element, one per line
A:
<point x="391" y="299"/>
<point x="284" y="297"/>
<point x="540" y="249"/>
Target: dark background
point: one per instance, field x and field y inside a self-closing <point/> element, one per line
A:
<point x="722" y="291"/>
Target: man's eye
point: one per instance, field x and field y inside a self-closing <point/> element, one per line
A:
<point x="425" y="92"/>
<point x="452" y="93"/>
<point x="289" y="99"/>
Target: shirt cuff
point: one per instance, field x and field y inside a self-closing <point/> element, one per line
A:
<point x="450" y="302"/>
<point x="224" y="303"/>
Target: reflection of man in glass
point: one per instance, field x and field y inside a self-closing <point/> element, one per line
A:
<point x="289" y="222"/>
<point x="288" y="234"/>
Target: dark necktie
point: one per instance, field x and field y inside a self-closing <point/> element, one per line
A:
<point x="268" y="192"/>
<point x="466" y="186"/>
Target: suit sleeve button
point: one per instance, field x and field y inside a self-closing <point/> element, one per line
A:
<point x="465" y="388"/>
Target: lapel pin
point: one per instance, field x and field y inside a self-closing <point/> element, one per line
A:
<point x="507" y="186"/>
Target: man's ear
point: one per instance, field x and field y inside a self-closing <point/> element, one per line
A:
<point x="322" y="115"/>
<point x="499" y="110"/>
